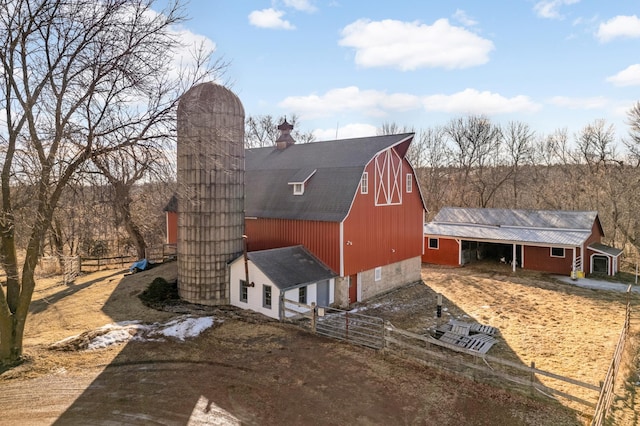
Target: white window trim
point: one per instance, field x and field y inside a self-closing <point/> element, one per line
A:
<point x="298" y="188"/>
<point x="377" y="273"/>
<point x="437" y="240"/>
<point x="564" y="252"/>
<point x="364" y="183"/>
<point x="264" y="296"/>
<point x="409" y="187"/>
<point x="243" y="286"/>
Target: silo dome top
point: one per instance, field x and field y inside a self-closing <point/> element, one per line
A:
<point x="210" y="97"/>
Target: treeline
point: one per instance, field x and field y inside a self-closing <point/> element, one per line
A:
<point x="469" y="162"/>
<point x="472" y="162"/>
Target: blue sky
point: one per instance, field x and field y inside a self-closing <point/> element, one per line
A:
<point x="347" y="67"/>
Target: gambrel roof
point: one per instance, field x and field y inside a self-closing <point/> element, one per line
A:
<point x="539" y="227"/>
<point x="290" y="267"/>
<point x="330" y="171"/>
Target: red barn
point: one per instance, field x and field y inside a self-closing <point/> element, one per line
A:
<point x="354" y="203"/>
<point x="559" y="242"/>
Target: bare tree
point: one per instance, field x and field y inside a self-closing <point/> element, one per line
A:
<point x="476" y="149"/>
<point x="633" y="143"/>
<point x="596" y="144"/>
<point x="518" y="139"/>
<point x="262" y="130"/>
<point x="80" y="79"/>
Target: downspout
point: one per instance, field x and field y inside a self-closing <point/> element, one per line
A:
<point x="246" y="260"/>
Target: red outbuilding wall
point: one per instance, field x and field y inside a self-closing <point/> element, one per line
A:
<point x="447" y="252"/>
<point x="539" y="259"/>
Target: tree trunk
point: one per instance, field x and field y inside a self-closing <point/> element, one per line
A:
<point x="123" y="204"/>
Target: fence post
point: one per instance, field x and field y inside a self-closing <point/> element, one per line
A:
<point x="532" y="378"/>
<point x="314" y="315"/>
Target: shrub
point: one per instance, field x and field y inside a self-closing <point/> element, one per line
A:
<point x="159" y="292"/>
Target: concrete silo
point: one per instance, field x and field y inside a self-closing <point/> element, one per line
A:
<point x="210" y="191"/>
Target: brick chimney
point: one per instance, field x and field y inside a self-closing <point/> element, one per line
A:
<point x="285" y="139"/>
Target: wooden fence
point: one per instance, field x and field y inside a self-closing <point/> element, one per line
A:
<point x="154" y="255"/>
<point x="438" y="354"/>
<point x="607" y="393"/>
<point x="364" y="330"/>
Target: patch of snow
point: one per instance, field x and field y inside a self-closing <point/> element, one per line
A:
<point x="485" y="306"/>
<point x="111" y="337"/>
<point x="182" y="328"/>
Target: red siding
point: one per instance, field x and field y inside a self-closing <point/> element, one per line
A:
<point x="320" y="238"/>
<point x="447" y="252"/>
<point x="539" y="259"/>
<point x="380" y="235"/>
<point x="172" y="227"/>
<point x="596" y="237"/>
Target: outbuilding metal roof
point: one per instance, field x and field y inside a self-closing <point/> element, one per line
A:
<point x="328" y="192"/>
<point x="290" y="267"/>
<point x="537" y="227"/>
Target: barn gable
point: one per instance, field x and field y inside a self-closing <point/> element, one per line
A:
<point x="330" y="172"/>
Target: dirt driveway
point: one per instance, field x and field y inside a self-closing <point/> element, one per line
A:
<point x="245" y="370"/>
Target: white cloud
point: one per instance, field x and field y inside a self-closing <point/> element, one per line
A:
<point x="629" y="76"/>
<point x="471" y="101"/>
<point x="191" y="42"/>
<point x="620" y="26"/>
<point x="370" y="102"/>
<point x="550" y="8"/>
<point x="269" y="18"/>
<point x="412" y="45"/>
<point x="462" y="17"/>
<point x="303" y="5"/>
<point x="596" y="102"/>
<point x="354" y="130"/>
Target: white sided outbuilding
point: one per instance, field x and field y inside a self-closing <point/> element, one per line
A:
<point x="264" y="278"/>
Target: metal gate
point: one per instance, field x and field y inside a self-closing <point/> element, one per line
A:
<point x="352" y="327"/>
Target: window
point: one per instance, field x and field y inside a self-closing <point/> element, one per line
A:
<point x="409" y="182"/>
<point x="298" y="188"/>
<point x="266" y="296"/>
<point x="302" y="295"/>
<point x="364" y="183"/>
<point x="244" y="291"/>
<point x="433" y="243"/>
<point x="557" y="252"/>
<point x="377" y="274"/>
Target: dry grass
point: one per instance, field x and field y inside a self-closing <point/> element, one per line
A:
<point x="565" y="329"/>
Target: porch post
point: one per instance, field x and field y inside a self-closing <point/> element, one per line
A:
<point x="513" y="262"/>
<point x="573" y="265"/>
